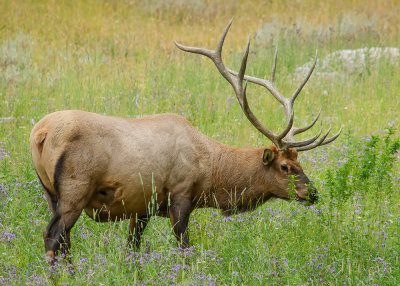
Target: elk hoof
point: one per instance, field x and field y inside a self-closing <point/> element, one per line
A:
<point x="50" y="256"/>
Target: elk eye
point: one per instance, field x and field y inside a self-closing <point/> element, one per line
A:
<point x="284" y="168"/>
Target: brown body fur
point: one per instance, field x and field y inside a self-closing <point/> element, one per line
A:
<point x="112" y="168"/>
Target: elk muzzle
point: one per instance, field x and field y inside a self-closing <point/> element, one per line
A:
<point x="312" y="194"/>
<point x="306" y="192"/>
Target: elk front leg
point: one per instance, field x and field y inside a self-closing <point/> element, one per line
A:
<point x="179" y="213"/>
<point x="136" y="229"/>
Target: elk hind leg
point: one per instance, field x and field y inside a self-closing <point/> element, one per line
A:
<point x="57" y="234"/>
<point x="69" y="207"/>
<point x="50" y="197"/>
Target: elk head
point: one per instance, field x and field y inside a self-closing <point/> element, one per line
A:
<point x="289" y="180"/>
<point x="280" y="160"/>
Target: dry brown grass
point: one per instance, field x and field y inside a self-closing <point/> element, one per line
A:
<point x="132" y="27"/>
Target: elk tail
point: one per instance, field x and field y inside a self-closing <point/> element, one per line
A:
<point x="39" y="138"/>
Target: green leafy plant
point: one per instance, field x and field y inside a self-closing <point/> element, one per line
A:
<point x="365" y="171"/>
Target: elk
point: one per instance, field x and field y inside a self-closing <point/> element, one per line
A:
<point x="113" y="167"/>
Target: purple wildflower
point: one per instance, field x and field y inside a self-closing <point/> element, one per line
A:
<point x="7" y="236"/>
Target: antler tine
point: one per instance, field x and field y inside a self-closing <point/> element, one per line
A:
<point x="242" y="70"/>
<point x="216" y="57"/>
<point x="331" y="139"/>
<point x="296" y="144"/>
<point x="305" y="128"/>
<point x="320" y="142"/>
<point x="295" y="130"/>
<point x="316" y="143"/>
<point x="222" y="39"/>
<point x="272" y="77"/>
<point x="195" y="50"/>
<point x="289" y="107"/>
<point x="297" y="91"/>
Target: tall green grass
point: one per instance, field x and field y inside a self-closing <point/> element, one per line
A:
<point x="118" y="59"/>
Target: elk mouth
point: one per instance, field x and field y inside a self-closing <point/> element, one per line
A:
<point x="301" y="200"/>
<point x="304" y="202"/>
<point x="308" y="201"/>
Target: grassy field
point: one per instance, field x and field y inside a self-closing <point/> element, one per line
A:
<point x="118" y="58"/>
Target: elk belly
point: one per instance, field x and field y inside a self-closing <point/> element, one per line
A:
<point x="99" y="208"/>
<point x="117" y="203"/>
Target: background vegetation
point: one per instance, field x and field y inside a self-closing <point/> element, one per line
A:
<point x="118" y="58"/>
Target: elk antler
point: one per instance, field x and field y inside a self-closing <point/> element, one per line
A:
<point x="236" y="80"/>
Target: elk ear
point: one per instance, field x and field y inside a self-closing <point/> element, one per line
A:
<point x="268" y="156"/>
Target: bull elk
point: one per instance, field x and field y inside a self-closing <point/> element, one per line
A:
<point x="114" y="167"/>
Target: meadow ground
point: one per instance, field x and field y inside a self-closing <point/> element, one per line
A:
<point x="118" y="58"/>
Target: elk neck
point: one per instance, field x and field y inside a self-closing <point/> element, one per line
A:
<point x="240" y="180"/>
